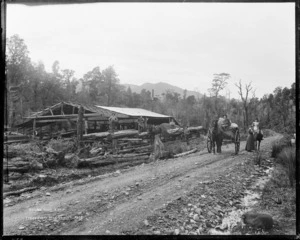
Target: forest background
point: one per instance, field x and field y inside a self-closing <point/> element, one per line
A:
<point x="30" y="88"/>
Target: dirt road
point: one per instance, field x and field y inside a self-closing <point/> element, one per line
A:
<point x="118" y="204"/>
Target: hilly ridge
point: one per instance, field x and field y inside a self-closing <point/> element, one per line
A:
<point x="160" y="88"/>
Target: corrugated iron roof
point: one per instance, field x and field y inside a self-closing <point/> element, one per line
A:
<point x="134" y="112"/>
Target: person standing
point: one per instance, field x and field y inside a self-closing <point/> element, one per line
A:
<point x="226" y="123"/>
<point x="250" y="140"/>
<point x="140" y="124"/>
<point x="113" y="120"/>
<point x="255" y="125"/>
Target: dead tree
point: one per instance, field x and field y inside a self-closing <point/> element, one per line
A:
<point x="248" y="88"/>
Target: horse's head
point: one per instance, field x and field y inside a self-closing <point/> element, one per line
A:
<point x="214" y="124"/>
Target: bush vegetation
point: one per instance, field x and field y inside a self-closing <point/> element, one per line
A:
<point x="278" y="146"/>
<point x="285" y="155"/>
<point x="61" y="145"/>
<point x="287" y="158"/>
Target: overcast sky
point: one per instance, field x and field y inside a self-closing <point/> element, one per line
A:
<point x="183" y="44"/>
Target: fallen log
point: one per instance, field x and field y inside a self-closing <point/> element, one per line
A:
<point x="17" y="159"/>
<point x="17" y="169"/>
<point x="97" y="162"/>
<point x="128" y="155"/>
<point x="125" y="133"/>
<point x="20" y="164"/>
<point x="17" y="141"/>
<point x="131" y="139"/>
<point x="126" y="151"/>
<point x="195" y="128"/>
<point x="144" y="134"/>
<point x="92" y="159"/>
<point x="19" y="192"/>
<point x="185" y="153"/>
<point x="15" y="137"/>
<point x="129" y="146"/>
<point x="11" y="153"/>
<point x="96" y="135"/>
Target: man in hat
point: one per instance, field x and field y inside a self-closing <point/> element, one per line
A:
<point x="113" y="120"/>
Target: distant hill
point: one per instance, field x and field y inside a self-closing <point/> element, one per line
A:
<point x="160" y="88"/>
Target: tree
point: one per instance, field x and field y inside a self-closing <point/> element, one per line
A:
<point x="244" y="98"/>
<point x="18" y="66"/>
<point x="92" y="87"/>
<point x="219" y="82"/>
<point x="146" y="99"/>
<point x="111" y="82"/>
<point x="128" y="97"/>
<point x="70" y="83"/>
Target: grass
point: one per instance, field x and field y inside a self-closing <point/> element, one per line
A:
<point x="279" y="178"/>
<point x="278" y="146"/>
<point x="287" y="158"/>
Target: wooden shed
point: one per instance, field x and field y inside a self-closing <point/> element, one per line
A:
<point x="63" y="116"/>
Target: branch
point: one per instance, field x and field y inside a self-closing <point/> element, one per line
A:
<point x="248" y="89"/>
<point x="240" y="90"/>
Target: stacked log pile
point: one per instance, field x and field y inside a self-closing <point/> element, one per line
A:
<point x="18" y="161"/>
<point x="11" y="137"/>
<point x="132" y="147"/>
<point x="105" y="160"/>
<point x="20" y="164"/>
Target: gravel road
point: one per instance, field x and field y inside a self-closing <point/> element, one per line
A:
<point x="120" y="202"/>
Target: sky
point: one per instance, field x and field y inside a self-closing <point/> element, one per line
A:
<point x="183" y="44"/>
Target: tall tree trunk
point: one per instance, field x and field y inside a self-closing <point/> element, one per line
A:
<point x="244" y="122"/>
<point x="108" y="94"/>
<point x="11" y="112"/>
<point x="247" y="120"/>
<point x="80" y="127"/>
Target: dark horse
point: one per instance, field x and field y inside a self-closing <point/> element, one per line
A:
<point x="258" y="136"/>
<point x="216" y="138"/>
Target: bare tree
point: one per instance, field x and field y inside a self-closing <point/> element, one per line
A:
<point x="248" y="88"/>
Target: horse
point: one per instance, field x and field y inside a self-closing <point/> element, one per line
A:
<point x="214" y="131"/>
<point x="258" y="137"/>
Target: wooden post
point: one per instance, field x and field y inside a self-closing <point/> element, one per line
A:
<point x="80" y="126"/>
<point x="85" y="126"/>
<point x="114" y="145"/>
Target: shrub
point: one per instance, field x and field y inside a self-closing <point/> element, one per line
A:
<point x="24" y="148"/>
<point x="280" y="145"/>
<point x="61" y="145"/>
<point x="276" y="149"/>
<point x="268" y="133"/>
<point x="287" y="157"/>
